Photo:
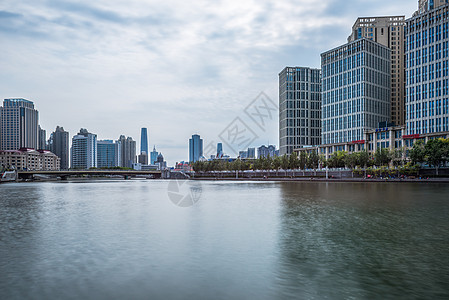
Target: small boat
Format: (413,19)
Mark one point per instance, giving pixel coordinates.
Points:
(8,176)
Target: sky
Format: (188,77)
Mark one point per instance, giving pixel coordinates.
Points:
(175,67)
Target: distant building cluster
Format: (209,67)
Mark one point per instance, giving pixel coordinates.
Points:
(24,145)
(387,87)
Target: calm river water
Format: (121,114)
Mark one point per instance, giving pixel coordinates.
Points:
(241,240)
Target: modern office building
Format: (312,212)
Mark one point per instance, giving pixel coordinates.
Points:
(195,148)
(42,138)
(18,125)
(243,154)
(84,150)
(219,150)
(153,156)
(355,90)
(265,151)
(299,108)
(144,141)
(59,145)
(108,154)
(128,151)
(427,69)
(388,31)
(251,153)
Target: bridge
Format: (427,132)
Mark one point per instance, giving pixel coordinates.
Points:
(126,174)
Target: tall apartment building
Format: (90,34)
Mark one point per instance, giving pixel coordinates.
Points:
(195,148)
(42,138)
(388,31)
(59,145)
(299,108)
(108,154)
(84,150)
(427,66)
(355,90)
(18,125)
(128,151)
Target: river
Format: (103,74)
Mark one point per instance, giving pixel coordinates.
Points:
(144,239)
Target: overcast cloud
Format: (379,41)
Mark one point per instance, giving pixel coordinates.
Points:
(176,67)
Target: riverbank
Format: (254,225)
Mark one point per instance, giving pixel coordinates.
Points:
(312,179)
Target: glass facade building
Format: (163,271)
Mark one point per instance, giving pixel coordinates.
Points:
(299,108)
(427,69)
(108,154)
(356,90)
(144,141)
(195,148)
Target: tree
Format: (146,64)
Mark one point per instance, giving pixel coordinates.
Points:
(285,162)
(382,157)
(293,161)
(337,159)
(302,161)
(276,164)
(417,153)
(364,159)
(351,160)
(436,152)
(313,160)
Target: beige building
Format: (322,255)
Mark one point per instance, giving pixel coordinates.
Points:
(29,159)
(388,31)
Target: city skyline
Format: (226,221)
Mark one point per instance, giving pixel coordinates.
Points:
(75,85)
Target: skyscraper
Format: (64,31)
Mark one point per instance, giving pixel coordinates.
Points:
(128,151)
(219,150)
(18,124)
(108,154)
(299,108)
(84,150)
(251,152)
(42,138)
(195,148)
(388,31)
(427,64)
(144,141)
(355,90)
(59,145)
(153,156)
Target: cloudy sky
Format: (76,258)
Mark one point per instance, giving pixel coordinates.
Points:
(176,67)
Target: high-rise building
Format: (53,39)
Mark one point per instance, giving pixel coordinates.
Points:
(299,108)
(18,125)
(128,151)
(427,64)
(144,141)
(426,5)
(388,31)
(195,148)
(42,138)
(108,154)
(355,90)
(59,145)
(84,150)
(153,156)
(265,151)
(251,153)
(143,158)
(219,150)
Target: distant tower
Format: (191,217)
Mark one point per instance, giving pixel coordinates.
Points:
(84,150)
(42,138)
(18,125)
(59,145)
(219,150)
(153,156)
(144,141)
(195,148)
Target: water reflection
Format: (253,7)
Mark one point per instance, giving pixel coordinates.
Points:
(363,241)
